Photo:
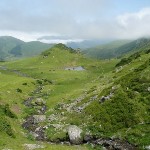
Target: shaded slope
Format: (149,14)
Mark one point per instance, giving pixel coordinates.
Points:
(29,49)
(118,48)
(6,44)
(11,48)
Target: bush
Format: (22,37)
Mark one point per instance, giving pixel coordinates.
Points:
(56,136)
(4,123)
(5,111)
(125,61)
(19,90)
(24,83)
(8,112)
(5,126)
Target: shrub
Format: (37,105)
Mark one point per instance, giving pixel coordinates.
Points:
(24,83)
(4,123)
(125,61)
(19,90)
(8,112)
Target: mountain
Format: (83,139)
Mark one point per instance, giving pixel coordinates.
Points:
(29,49)
(61,93)
(71,42)
(84,44)
(11,48)
(118,48)
(6,44)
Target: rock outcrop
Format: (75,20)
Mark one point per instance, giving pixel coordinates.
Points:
(74,134)
(115,144)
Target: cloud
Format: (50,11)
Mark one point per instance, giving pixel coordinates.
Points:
(76,19)
(134,25)
(63,17)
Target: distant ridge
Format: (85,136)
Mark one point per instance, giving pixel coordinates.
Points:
(11,48)
(118,48)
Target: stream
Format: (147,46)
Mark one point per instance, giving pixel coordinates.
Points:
(31,123)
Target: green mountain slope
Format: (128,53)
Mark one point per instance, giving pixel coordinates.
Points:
(11,48)
(110,104)
(118,48)
(6,44)
(29,49)
(106,50)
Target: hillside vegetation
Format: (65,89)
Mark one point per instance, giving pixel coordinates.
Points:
(12,48)
(107,99)
(118,48)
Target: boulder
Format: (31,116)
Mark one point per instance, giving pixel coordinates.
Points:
(147,147)
(115,144)
(74,134)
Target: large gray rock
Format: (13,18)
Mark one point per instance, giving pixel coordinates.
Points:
(147,147)
(74,133)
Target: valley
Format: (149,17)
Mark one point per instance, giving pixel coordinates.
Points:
(43,97)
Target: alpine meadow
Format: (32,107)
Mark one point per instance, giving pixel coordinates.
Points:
(74,75)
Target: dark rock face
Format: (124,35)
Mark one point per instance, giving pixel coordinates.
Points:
(29,124)
(88,138)
(115,144)
(40,132)
(28,101)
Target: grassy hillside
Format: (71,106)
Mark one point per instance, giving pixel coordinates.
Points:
(105,50)
(104,99)
(118,48)
(29,49)
(6,44)
(57,82)
(11,48)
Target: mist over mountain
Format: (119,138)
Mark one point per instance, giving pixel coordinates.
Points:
(118,48)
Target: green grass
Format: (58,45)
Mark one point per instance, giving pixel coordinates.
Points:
(125,110)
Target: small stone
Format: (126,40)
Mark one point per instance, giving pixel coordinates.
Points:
(39,118)
(32,146)
(39,101)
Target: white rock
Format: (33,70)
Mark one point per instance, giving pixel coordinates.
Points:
(32,146)
(39,118)
(74,133)
(147,147)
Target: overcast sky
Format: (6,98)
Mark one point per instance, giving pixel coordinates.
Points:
(75,19)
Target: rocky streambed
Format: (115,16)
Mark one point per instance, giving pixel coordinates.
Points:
(36,125)
(33,124)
